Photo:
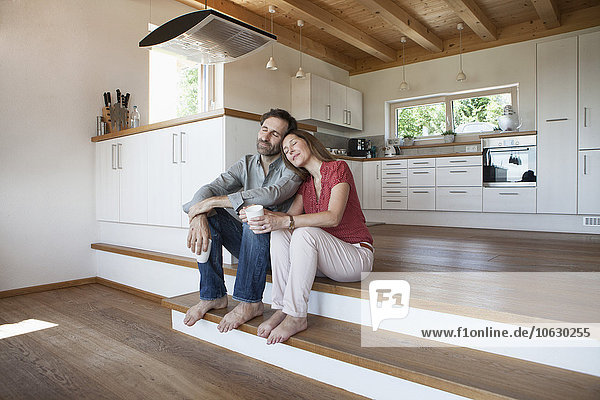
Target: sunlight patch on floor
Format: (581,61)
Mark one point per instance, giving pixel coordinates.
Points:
(23,327)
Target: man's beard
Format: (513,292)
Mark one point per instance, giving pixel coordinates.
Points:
(267,149)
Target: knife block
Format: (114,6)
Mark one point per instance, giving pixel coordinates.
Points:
(106,119)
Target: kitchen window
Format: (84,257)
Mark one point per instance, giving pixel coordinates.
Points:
(179,88)
(471,112)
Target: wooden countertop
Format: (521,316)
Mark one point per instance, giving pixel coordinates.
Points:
(405,157)
(189,119)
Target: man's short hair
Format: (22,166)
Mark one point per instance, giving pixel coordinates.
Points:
(281,114)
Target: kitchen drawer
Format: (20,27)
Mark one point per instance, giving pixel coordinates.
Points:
(394,173)
(394,203)
(421,199)
(394,192)
(394,183)
(457,161)
(458,199)
(511,200)
(421,177)
(458,176)
(394,164)
(421,162)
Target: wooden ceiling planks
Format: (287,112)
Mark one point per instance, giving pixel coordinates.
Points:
(356,36)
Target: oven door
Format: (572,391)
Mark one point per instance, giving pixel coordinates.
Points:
(509,166)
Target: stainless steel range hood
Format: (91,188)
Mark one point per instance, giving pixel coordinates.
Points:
(207,37)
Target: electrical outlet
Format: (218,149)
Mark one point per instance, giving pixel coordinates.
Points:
(472,148)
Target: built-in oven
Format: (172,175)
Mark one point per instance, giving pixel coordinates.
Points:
(509,161)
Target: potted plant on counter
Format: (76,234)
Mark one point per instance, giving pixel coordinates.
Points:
(409,139)
(449,136)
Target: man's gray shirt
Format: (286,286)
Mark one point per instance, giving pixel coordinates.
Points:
(245,183)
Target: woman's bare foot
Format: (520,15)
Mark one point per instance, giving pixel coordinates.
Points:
(243,312)
(289,327)
(195,313)
(266,327)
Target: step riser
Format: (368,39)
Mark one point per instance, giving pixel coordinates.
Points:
(327,370)
(172,280)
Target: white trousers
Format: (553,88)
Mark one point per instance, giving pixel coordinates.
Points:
(296,258)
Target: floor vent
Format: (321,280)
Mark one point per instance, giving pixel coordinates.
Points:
(591,221)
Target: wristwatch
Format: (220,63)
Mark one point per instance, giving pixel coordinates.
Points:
(292,224)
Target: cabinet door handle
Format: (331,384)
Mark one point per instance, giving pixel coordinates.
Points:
(393,173)
(181,149)
(585,110)
(328,112)
(556,119)
(174,148)
(508,194)
(420,191)
(393,201)
(349,117)
(389,164)
(585,164)
(394,182)
(458,172)
(393,191)
(119,146)
(420,172)
(377,172)
(113,156)
(457,161)
(421,162)
(458,191)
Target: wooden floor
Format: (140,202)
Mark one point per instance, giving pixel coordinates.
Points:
(112,345)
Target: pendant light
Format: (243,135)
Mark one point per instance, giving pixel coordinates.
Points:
(300,73)
(403,84)
(271,66)
(461,75)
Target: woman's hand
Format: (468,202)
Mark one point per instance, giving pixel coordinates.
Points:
(268,222)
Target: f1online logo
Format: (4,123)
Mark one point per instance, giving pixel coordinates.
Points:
(388,300)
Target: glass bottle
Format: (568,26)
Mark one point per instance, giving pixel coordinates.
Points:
(134,118)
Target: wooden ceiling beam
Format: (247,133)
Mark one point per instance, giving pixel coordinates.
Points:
(472,15)
(315,15)
(285,36)
(548,12)
(399,19)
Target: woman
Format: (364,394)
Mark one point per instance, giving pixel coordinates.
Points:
(323,234)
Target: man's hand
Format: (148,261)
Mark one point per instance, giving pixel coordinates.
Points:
(198,234)
(201,207)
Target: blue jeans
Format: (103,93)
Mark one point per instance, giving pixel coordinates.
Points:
(252,252)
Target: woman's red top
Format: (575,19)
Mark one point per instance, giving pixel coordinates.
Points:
(352,228)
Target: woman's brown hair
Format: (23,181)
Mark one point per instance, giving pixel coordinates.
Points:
(314,145)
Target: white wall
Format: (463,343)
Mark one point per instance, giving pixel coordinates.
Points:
(249,86)
(504,65)
(57,59)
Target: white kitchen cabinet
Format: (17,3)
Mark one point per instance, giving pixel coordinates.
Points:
(458,161)
(421,198)
(557,126)
(107,181)
(357,173)
(420,177)
(164,177)
(371,185)
(316,99)
(202,162)
(509,200)
(132,162)
(589,91)
(458,176)
(394,191)
(421,162)
(458,198)
(394,203)
(354,108)
(337,103)
(589,182)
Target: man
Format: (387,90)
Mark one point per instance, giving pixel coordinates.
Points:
(263,179)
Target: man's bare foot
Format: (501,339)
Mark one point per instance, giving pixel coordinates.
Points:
(243,312)
(196,312)
(266,327)
(289,327)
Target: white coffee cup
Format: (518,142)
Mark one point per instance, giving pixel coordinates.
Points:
(254,211)
(203,257)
